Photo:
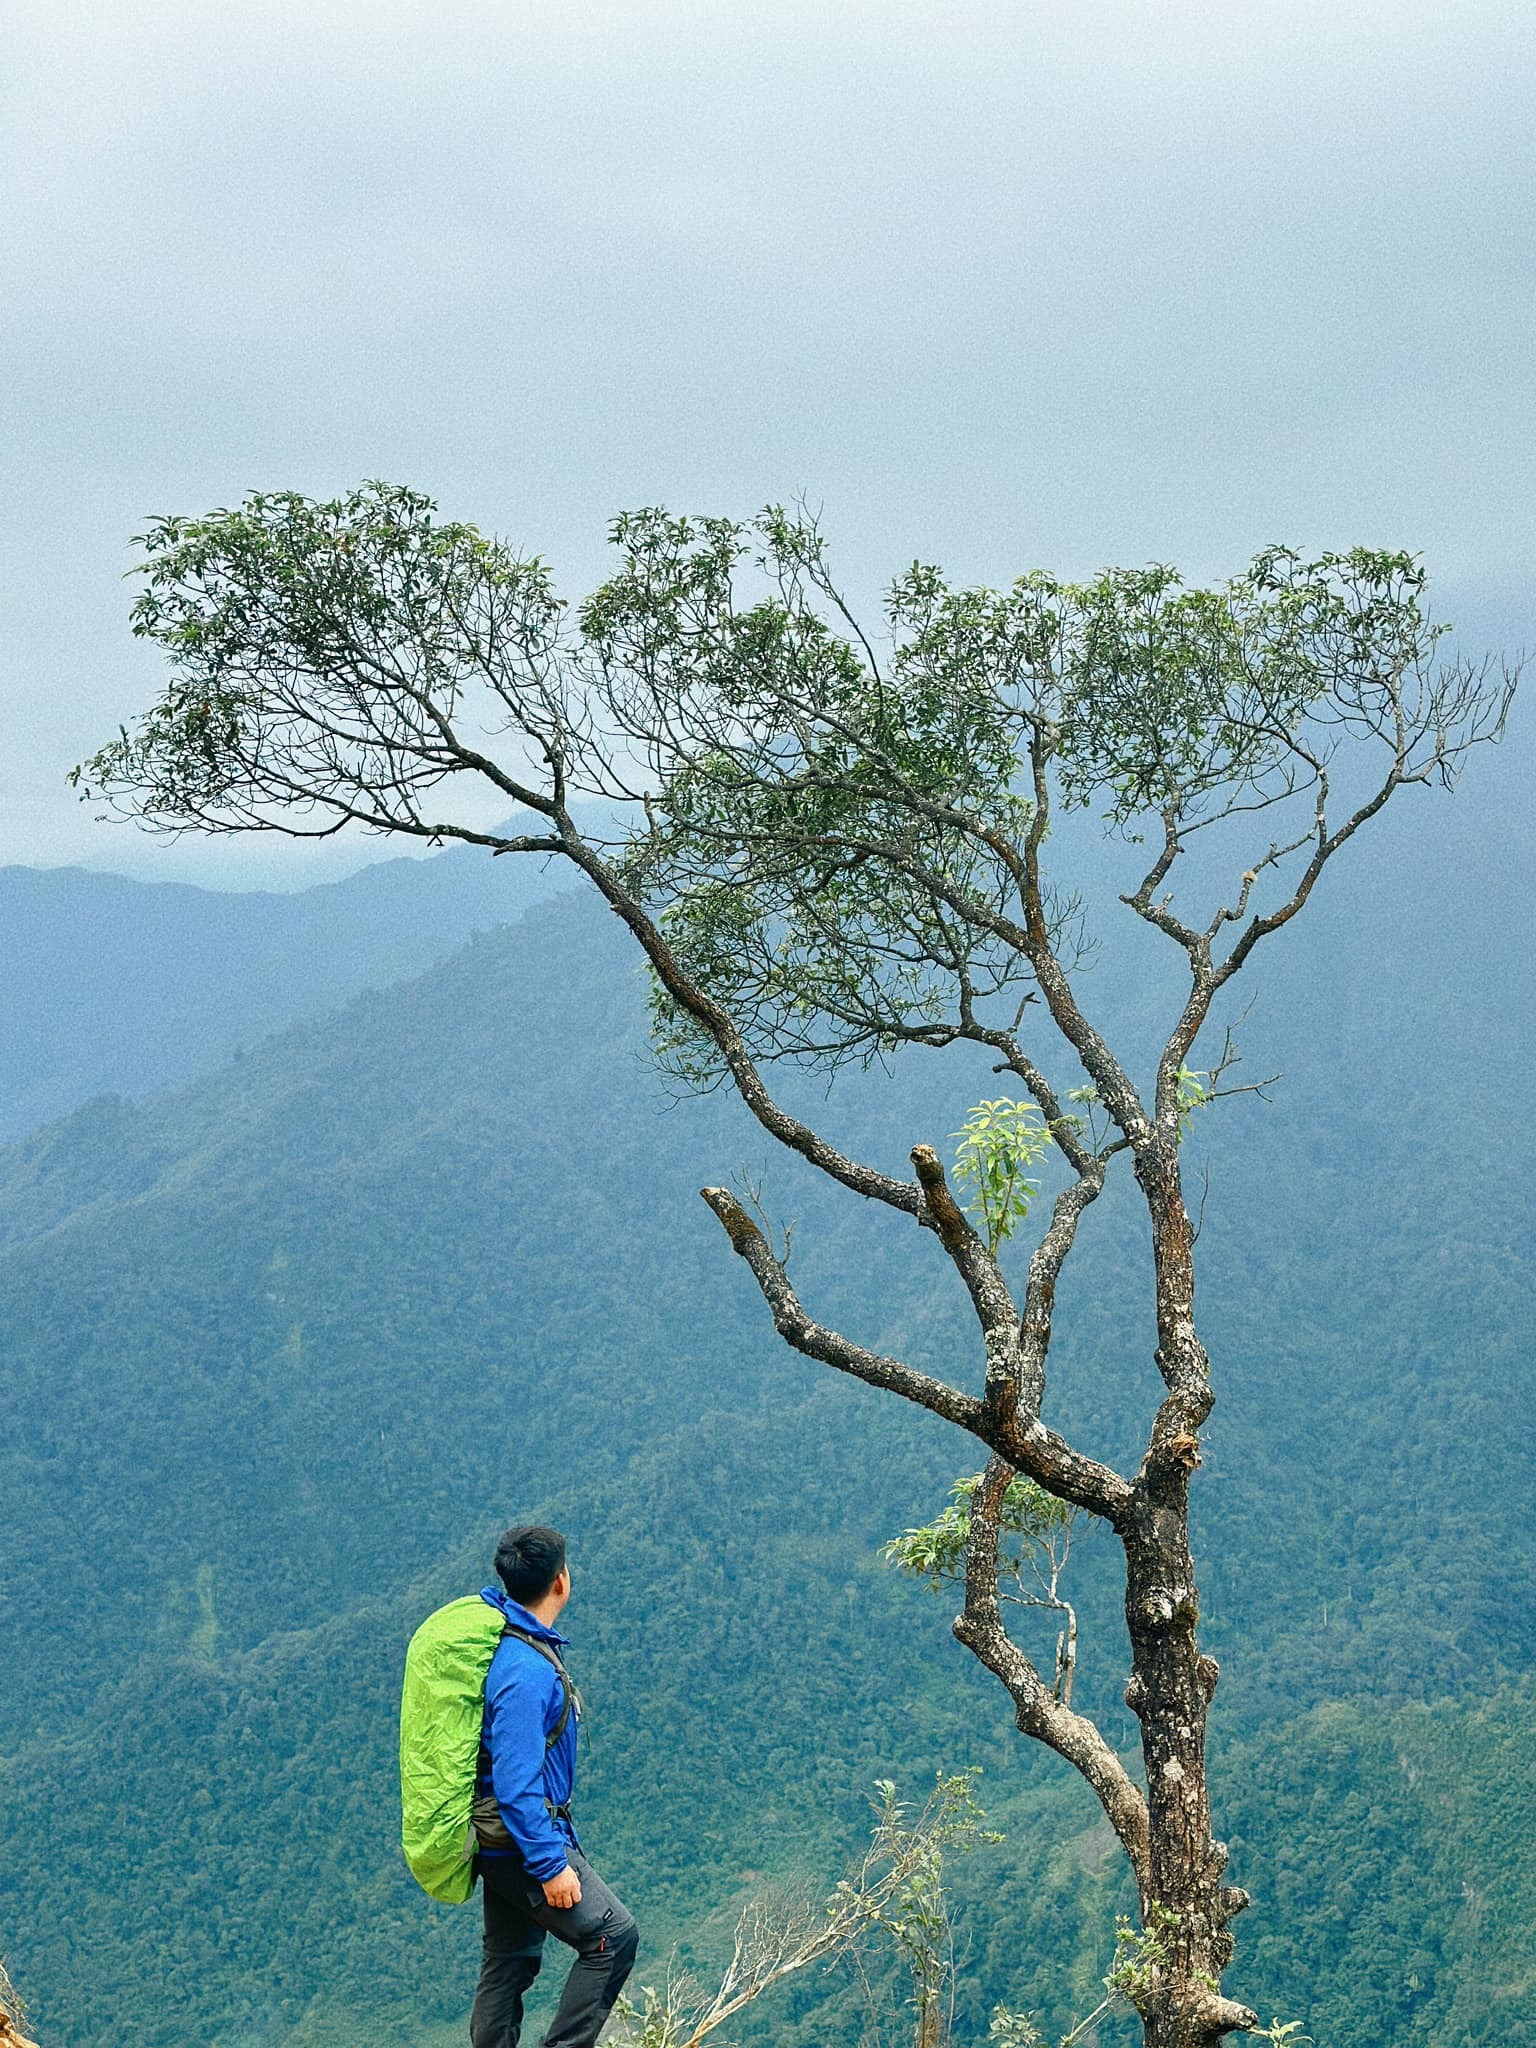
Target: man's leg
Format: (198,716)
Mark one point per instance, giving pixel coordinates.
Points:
(514,1947)
(603,1934)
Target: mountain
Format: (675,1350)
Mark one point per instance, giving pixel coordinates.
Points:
(120,987)
(286,1346)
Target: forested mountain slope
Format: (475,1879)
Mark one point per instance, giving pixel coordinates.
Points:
(114,986)
(284,1349)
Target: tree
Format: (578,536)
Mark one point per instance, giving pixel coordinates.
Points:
(897,1891)
(827,851)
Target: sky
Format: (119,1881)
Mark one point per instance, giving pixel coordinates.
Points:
(997,286)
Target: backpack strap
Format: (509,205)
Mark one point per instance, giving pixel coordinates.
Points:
(547,1650)
(490,1829)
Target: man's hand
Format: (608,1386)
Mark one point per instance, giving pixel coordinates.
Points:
(563,1889)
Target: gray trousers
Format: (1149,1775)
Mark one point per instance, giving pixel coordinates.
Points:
(600,1930)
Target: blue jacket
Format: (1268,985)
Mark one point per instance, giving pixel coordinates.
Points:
(523,1698)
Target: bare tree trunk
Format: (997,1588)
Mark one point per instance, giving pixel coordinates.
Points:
(1171,1682)
(1170,1689)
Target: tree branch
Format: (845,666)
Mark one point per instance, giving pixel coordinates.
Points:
(722,1028)
(1039,1713)
(1026,1442)
(1040,1288)
(983,1280)
(1104,1070)
(798,1329)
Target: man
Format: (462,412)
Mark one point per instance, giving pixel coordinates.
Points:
(532,1872)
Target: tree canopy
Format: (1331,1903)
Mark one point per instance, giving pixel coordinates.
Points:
(842,845)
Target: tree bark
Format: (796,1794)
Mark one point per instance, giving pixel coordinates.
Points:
(1169,1692)
(1171,1682)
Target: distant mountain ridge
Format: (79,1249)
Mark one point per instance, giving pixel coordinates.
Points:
(118,987)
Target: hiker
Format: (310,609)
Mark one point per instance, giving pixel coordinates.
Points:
(533,1875)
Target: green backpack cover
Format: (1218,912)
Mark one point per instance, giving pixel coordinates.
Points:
(441,1707)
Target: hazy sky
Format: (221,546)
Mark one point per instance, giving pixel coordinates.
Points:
(997,285)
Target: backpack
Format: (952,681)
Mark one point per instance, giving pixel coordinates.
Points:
(442,1705)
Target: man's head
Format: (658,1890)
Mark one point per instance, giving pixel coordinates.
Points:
(530,1563)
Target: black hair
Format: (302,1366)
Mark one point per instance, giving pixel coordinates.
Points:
(528,1561)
